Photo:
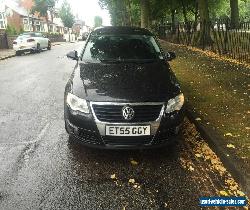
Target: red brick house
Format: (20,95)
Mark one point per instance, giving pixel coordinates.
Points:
(15,13)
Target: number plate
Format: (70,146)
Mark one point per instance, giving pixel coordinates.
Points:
(137,130)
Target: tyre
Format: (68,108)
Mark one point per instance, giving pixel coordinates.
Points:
(18,53)
(38,48)
(49,46)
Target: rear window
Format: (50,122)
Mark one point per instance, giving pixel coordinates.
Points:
(26,35)
(121,47)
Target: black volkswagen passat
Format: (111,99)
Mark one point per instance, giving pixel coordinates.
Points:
(122,92)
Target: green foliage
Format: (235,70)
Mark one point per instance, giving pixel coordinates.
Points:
(42,6)
(10,30)
(21,31)
(128,12)
(97,21)
(244,7)
(125,12)
(66,14)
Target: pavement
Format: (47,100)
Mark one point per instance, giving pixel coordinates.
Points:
(8,53)
(41,169)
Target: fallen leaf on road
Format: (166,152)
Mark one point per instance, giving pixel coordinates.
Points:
(133,162)
(223,193)
(240,193)
(228,134)
(233,187)
(113,176)
(131,181)
(198,155)
(230,146)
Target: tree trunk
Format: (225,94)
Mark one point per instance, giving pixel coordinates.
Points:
(144,13)
(196,11)
(184,11)
(129,12)
(173,20)
(234,14)
(205,37)
(125,14)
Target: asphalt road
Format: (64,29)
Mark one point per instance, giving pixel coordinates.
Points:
(40,169)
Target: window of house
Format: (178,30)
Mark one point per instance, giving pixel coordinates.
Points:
(26,26)
(51,28)
(42,27)
(38,26)
(2,21)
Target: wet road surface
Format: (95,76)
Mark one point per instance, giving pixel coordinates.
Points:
(41,169)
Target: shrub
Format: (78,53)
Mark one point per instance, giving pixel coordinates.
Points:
(10,30)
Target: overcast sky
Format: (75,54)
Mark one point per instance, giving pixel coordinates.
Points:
(87,10)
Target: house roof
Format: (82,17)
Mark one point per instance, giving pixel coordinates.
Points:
(14,5)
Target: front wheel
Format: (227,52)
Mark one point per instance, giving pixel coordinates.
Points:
(18,53)
(49,46)
(38,48)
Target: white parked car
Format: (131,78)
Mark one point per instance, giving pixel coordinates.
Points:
(31,42)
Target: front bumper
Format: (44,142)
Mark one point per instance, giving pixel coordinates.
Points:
(86,129)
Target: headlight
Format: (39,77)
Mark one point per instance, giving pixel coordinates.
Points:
(175,104)
(77,104)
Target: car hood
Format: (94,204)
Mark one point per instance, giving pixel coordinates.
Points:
(133,82)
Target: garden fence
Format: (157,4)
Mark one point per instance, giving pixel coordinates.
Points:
(216,36)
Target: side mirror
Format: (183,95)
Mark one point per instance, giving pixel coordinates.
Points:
(170,56)
(73,55)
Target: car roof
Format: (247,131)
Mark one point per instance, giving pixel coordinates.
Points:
(115,30)
(30,33)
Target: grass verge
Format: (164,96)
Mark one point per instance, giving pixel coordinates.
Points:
(218,90)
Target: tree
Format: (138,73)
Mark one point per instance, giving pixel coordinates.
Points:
(66,14)
(205,37)
(97,21)
(122,12)
(234,13)
(42,7)
(145,11)
(244,8)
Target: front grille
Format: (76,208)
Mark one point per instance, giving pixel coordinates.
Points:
(113,113)
(127,141)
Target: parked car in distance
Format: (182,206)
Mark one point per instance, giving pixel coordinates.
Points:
(122,93)
(31,42)
(83,36)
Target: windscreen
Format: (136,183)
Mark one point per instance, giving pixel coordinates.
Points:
(121,47)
